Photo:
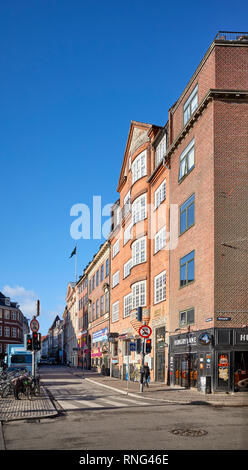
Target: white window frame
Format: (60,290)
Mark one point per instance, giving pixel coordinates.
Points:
(127,202)
(160,194)
(7,314)
(139,251)
(13,315)
(7,331)
(127,268)
(116,278)
(127,234)
(185,156)
(127,305)
(160,287)
(14,332)
(190,105)
(160,151)
(139,209)
(115,311)
(160,240)
(139,294)
(139,167)
(116,248)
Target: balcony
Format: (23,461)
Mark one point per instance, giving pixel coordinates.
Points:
(231,36)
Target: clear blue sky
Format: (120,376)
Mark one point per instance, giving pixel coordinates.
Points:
(73,75)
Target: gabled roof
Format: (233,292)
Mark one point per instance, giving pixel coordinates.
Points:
(137,136)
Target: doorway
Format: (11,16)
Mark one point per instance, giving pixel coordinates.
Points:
(186,370)
(241,370)
(160,355)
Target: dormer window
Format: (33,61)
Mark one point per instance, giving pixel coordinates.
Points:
(190,105)
(7,301)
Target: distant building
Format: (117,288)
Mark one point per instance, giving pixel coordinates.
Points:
(13,324)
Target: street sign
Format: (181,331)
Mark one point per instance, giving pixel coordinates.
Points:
(145,331)
(132,346)
(34,325)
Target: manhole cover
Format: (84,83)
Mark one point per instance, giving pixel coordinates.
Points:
(189,432)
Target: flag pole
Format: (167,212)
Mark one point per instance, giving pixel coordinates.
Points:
(76,265)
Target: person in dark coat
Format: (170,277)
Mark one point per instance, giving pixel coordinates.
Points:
(145,374)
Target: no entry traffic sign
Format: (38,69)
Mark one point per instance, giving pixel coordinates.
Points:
(34,325)
(145,331)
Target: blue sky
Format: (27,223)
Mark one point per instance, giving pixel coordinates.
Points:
(73,76)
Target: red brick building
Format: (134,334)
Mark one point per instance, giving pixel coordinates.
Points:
(83,340)
(13,324)
(188,269)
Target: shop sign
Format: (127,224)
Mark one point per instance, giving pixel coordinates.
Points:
(96,352)
(185,341)
(132,346)
(223,365)
(241,337)
(204,339)
(208,319)
(223,318)
(101,335)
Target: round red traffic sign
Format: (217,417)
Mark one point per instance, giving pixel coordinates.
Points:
(145,331)
(34,325)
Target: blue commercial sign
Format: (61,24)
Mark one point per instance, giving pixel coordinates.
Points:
(99,336)
(132,346)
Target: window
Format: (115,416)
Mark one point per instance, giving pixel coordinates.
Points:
(102,272)
(89,310)
(160,151)
(187,160)
(127,268)
(90,286)
(14,332)
(93,283)
(139,167)
(107,268)
(139,294)
(187,269)
(160,195)
(97,278)
(129,163)
(106,302)
(102,297)
(190,105)
(116,248)
(1,331)
(6,331)
(97,308)
(187,317)
(139,251)
(115,311)
(160,287)
(13,314)
(160,240)
(116,278)
(127,305)
(127,234)
(93,312)
(187,214)
(139,209)
(7,314)
(127,203)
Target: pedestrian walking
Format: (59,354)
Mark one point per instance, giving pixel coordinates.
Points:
(145,374)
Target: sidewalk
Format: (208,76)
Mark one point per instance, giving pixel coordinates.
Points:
(36,408)
(158,391)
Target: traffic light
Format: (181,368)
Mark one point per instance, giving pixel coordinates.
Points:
(138,348)
(28,342)
(148,346)
(139,314)
(36,341)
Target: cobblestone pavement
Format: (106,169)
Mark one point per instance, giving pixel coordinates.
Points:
(37,407)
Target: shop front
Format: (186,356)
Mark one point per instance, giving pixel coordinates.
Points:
(83,353)
(100,350)
(191,359)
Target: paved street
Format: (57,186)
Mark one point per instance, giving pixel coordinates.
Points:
(97,418)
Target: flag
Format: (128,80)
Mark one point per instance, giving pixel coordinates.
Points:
(73,252)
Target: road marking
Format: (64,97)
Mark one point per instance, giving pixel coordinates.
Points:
(135,401)
(66,405)
(114,403)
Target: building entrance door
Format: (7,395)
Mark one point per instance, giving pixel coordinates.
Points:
(185,373)
(241,370)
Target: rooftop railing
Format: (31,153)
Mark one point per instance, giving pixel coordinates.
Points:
(231,36)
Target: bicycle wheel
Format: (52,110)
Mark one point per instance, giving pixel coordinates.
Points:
(6,390)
